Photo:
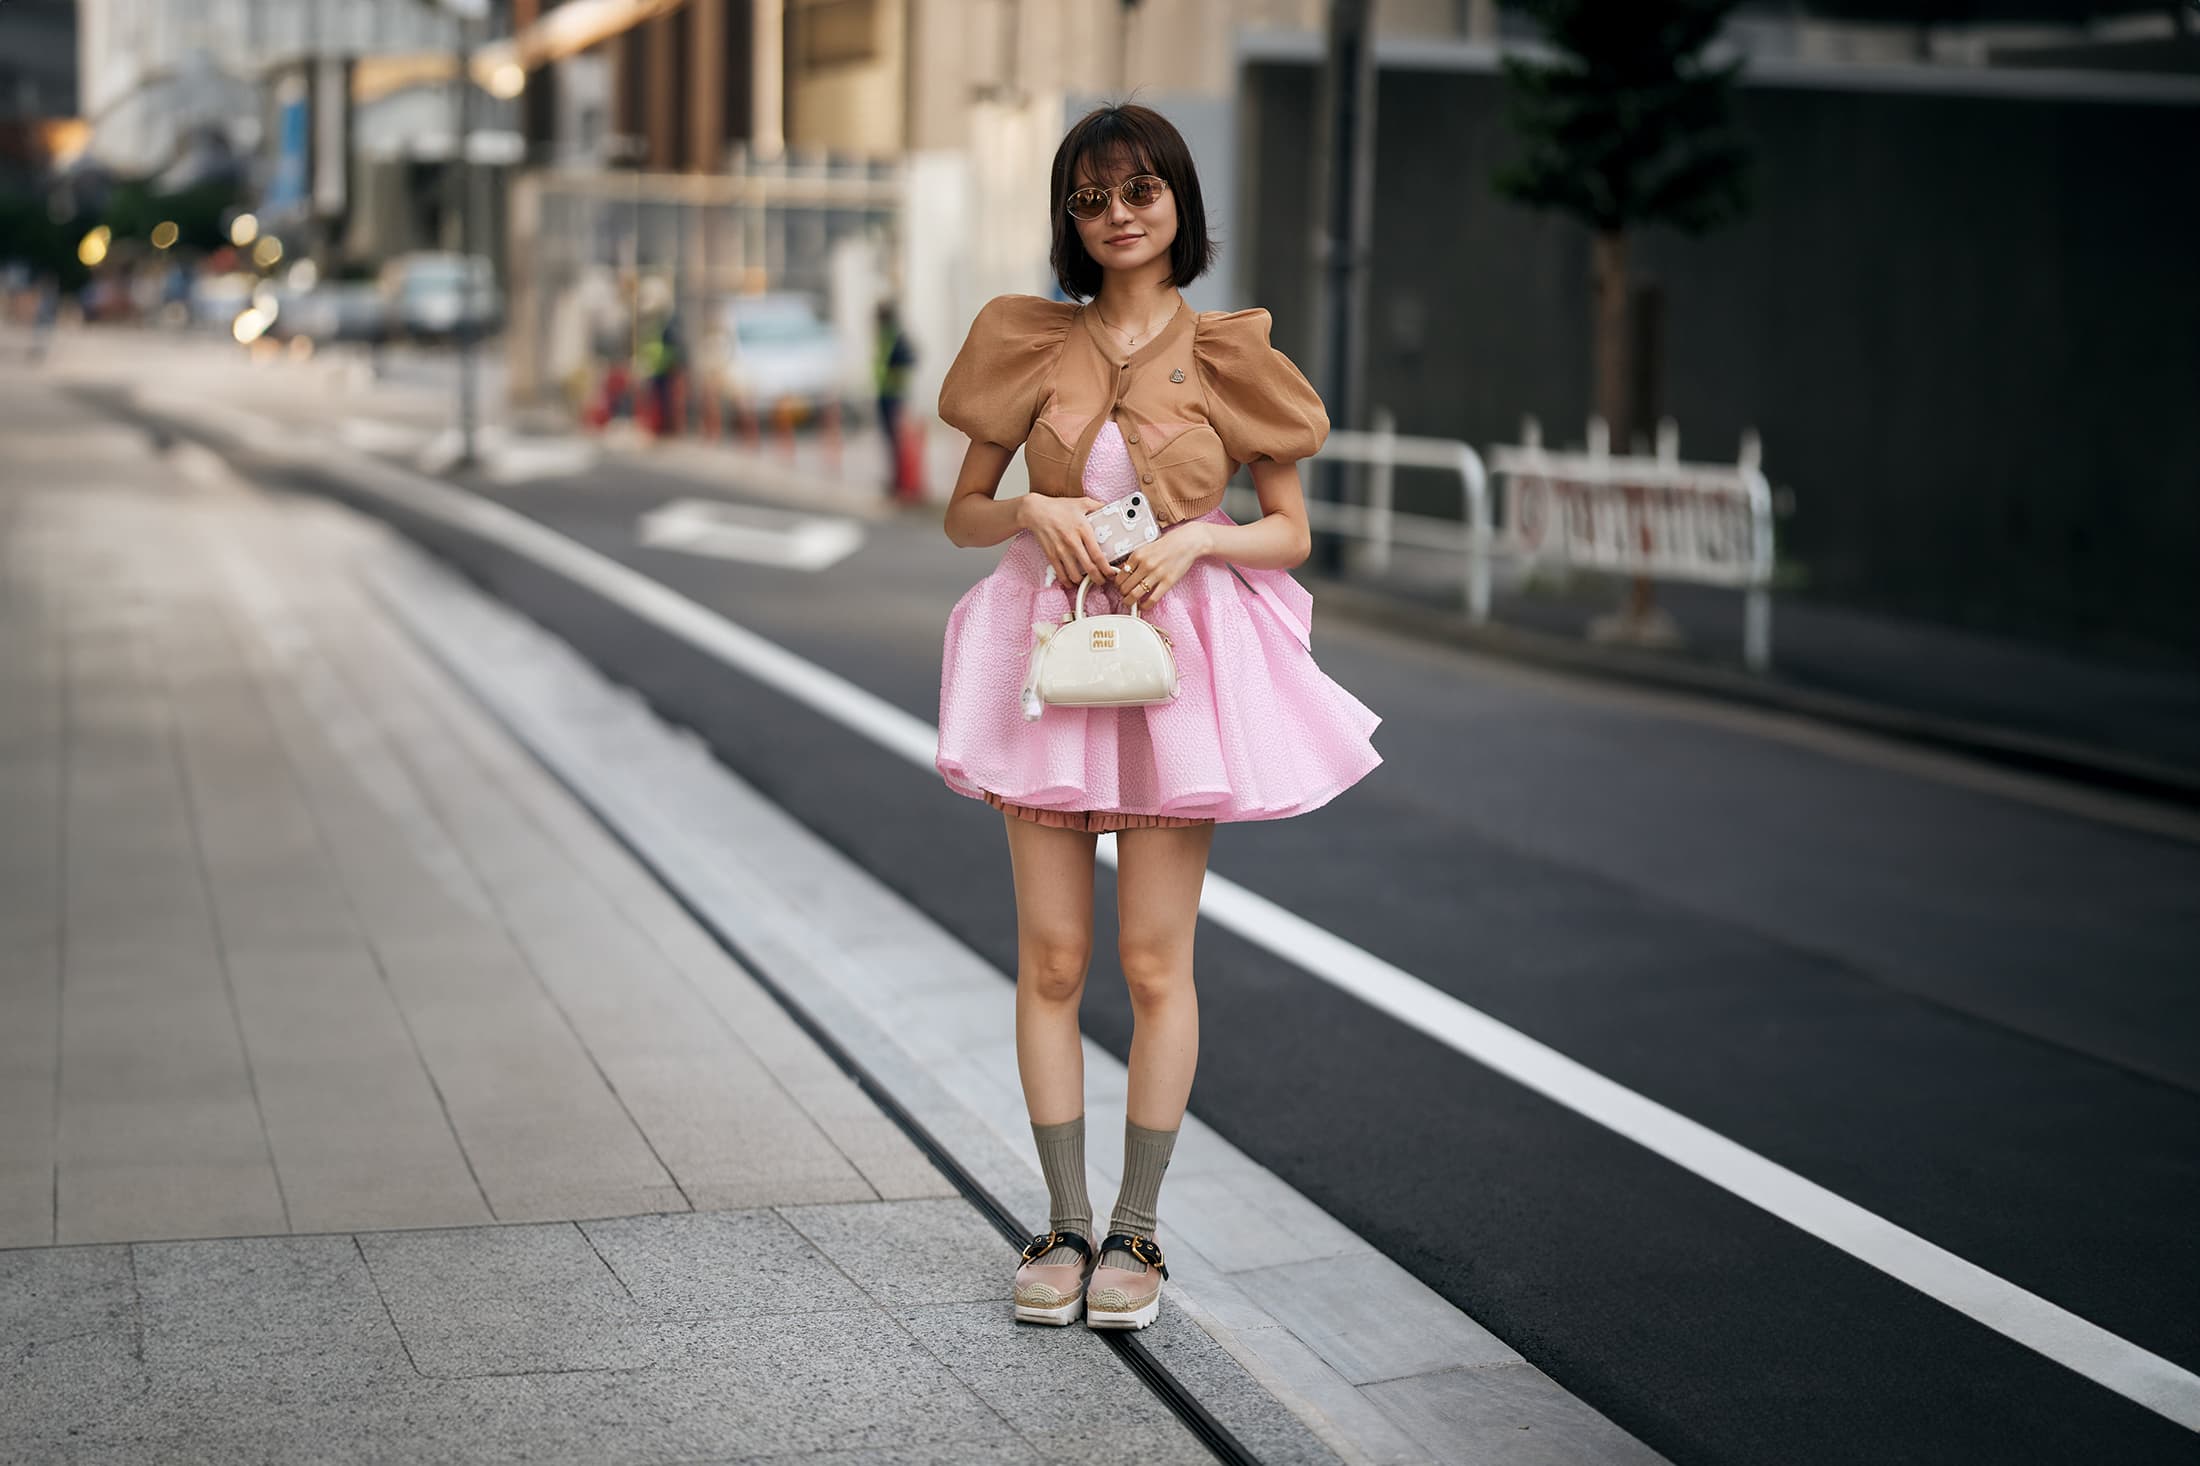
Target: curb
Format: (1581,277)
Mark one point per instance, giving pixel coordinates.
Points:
(2078,763)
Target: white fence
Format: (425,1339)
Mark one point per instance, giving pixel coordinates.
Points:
(1657,517)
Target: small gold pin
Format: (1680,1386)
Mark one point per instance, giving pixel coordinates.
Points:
(1177,375)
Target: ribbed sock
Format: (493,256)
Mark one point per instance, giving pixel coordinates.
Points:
(1137,1202)
(1062,1159)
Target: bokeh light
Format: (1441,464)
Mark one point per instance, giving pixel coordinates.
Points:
(165,234)
(251,325)
(92,249)
(244,229)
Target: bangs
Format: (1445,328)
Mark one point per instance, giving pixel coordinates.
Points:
(1107,145)
(1102,160)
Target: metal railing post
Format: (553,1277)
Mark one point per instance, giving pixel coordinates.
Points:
(1757,604)
(1379,490)
(1476,479)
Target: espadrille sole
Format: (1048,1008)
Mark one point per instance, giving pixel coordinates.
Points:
(1123,1318)
(1058,1315)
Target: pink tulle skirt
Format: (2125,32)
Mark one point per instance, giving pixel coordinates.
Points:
(1256,731)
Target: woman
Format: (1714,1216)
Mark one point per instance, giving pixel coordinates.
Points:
(1130,392)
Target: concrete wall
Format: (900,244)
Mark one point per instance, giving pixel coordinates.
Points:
(1966,323)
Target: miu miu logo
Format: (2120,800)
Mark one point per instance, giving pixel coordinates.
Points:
(1103,639)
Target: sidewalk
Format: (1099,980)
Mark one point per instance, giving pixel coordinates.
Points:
(366,1101)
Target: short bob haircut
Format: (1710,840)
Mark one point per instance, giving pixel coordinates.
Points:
(1137,140)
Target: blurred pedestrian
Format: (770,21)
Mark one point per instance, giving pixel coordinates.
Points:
(660,363)
(45,311)
(891,359)
(1133,403)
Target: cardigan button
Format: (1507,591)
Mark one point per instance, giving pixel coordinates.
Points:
(1132,439)
(1145,478)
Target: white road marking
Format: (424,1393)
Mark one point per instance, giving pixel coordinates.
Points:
(2113,1362)
(524,460)
(507,458)
(741,532)
(373,435)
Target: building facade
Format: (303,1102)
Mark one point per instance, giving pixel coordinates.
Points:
(37,88)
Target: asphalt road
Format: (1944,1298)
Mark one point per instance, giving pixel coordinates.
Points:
(1970,1013)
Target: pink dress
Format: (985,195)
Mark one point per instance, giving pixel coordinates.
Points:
(1256,731)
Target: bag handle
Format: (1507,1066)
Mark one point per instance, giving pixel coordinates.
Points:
(1083,585)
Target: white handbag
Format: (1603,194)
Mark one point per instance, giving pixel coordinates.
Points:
(1117,661)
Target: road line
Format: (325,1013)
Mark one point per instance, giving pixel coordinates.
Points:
(2113,1362)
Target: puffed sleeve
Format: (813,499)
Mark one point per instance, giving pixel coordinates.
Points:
(1260,404)
(991,393)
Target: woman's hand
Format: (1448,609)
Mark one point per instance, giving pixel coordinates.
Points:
(1057,522)
(1146,575)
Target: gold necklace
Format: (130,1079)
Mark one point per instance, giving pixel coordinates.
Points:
(1132,341)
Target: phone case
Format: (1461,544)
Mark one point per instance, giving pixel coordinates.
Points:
(1120,527)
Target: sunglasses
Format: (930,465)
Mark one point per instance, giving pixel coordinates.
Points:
(1140,192)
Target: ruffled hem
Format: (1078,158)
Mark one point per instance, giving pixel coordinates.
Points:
(1091,821)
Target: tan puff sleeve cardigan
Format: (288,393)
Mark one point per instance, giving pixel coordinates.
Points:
(991,393)
(1209,376)
(1259,402)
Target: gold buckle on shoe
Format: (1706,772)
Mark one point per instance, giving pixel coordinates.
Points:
(1041,1246)
(1145,1249)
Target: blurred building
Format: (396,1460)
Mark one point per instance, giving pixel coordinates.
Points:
(37,89)
(850,149)
(673,84)
(339,114)
(2091,35)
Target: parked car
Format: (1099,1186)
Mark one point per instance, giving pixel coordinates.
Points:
(332,310)
(217,300)
(777,350)
(430,294)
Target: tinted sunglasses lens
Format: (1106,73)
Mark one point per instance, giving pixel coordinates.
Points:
(1140,192)
(1088,203)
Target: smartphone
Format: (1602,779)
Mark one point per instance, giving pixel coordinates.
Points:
(1120,527)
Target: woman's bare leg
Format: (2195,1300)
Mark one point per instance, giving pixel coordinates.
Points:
(1159,872)
(1053,870)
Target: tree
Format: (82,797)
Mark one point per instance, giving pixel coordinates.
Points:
(1627,125)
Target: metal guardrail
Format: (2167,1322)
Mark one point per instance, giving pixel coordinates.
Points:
(1376,521)
(1656,517)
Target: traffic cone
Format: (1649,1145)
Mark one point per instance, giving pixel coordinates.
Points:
(909,463)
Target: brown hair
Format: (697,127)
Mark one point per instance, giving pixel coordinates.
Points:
(1147,140)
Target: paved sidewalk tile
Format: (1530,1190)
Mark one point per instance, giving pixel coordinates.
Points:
(366,1101)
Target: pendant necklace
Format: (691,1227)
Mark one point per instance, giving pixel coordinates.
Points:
(1118,330)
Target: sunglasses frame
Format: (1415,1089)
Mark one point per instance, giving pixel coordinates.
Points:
(1109,196)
